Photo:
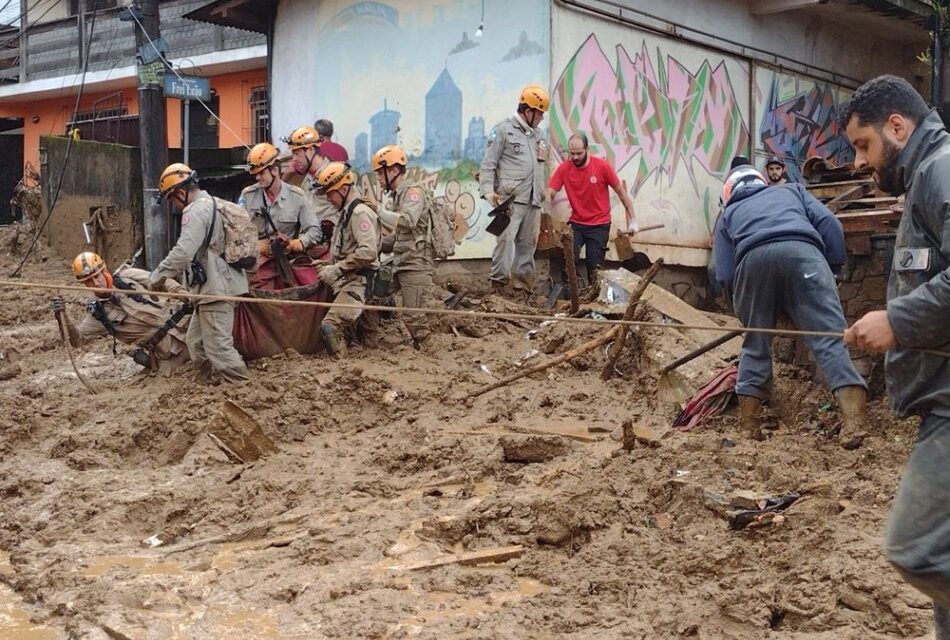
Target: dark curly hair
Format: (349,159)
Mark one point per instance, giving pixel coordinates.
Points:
(875,100)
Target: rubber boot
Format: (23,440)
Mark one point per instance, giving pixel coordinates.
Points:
(750,417)
(333,341)
(853,402)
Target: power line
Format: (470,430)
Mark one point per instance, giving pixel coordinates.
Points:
(69,146)
(173,70)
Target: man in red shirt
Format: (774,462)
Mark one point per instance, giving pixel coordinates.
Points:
(586,178)
(328,149)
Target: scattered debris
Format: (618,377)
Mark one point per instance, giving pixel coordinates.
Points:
(238,435)
(485,556)
(533,448)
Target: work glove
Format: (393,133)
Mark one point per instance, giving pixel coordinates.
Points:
(263,246)
(494,199)
(330,274)
(57,304)
(633,227)
(295,245)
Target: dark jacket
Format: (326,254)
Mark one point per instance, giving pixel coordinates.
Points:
(918,292)
(774,214)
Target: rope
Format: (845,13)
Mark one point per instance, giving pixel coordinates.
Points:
(534,317)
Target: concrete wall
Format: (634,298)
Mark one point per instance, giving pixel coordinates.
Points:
(98,176)
(410,72)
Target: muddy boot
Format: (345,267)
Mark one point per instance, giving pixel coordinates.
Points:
(853,402)
(333,341)
(750,417)
(498,288)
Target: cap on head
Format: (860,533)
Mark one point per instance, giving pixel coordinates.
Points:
(261,156)
(535,97)
(774,160)
(87,265)
(303,138)
(389,156)
(334,176)
(740,176)
(175,176)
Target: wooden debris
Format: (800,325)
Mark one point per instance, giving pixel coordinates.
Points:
(567,245)
(533,448)
(628,314)
(484,556)
(238,435)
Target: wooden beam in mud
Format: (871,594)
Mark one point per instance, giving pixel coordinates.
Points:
(483,556)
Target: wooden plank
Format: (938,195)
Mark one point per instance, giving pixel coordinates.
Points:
(849,196)
(484,556)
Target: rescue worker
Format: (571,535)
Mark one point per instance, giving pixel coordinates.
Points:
(354,250)
(280,210)
(409,216)
(908,147)
(513,164)
(197,254)
(775,250)
(775,171)
(156,327)
(304,144)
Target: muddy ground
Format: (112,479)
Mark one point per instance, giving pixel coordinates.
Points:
(319,540)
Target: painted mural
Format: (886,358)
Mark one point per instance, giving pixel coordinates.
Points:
(424,75)
(798,119)
(668,116)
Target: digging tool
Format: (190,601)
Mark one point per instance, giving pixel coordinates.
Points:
(649,227)
(64,334)
(665,386)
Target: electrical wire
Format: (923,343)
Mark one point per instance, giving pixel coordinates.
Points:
(180,77)
(69,146)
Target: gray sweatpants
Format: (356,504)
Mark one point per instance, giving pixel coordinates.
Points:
(917,541)
(513,255)
(791,277)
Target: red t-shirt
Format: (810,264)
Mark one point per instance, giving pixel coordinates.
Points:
(587,189)
(333,151)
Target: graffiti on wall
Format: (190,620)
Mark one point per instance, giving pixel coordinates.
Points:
(800,122)
(660,116)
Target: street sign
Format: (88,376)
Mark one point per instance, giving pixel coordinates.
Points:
(187,88)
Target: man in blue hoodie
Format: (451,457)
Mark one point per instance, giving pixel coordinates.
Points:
(774,251)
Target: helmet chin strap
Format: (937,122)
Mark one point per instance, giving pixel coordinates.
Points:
(345,197)
(310,159)
(273,178)
(386,179)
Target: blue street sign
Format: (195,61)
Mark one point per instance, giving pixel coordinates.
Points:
(187,88)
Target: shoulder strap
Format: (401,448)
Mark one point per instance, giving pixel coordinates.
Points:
(214,218)
(345,221)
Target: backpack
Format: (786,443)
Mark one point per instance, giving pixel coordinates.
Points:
(240,234)
(441,233)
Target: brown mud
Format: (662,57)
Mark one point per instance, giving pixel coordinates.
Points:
(381,467)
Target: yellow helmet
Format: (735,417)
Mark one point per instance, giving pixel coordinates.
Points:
(304,138)
(174,176)
(334,176)
(260,157)
(535,97)
(389,156)
(87,264)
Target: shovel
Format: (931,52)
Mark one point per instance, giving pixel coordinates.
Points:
(500,217)
(667,389)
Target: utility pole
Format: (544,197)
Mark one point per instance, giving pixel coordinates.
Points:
(153,144)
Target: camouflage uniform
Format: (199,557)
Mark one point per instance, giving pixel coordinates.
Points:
(209,334)
(511,165)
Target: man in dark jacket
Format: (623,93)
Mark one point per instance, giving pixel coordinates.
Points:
(774,250)
(906,145)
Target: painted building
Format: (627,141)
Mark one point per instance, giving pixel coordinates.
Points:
(667,91)
(39,96)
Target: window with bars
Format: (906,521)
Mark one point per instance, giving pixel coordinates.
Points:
(260,114)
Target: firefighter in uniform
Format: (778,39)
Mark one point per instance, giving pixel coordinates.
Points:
(198,255)
(513,164)
(354,249)
(304,144)
(409,216)
(156,327)
(280,210)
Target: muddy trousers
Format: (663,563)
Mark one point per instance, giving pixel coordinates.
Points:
(210,340)
(415,286)
(917,541)
(791,277)
(512,259)
(353,292)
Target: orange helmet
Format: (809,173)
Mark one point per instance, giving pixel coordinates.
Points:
(334,176)
(743,174)
(304,138)
(260,157)
(535,97)
(389,156)
(175,176)
(87,264)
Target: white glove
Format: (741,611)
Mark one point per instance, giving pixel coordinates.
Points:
(330,274)
(632,226)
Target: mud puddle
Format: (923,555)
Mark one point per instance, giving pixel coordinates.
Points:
(14,621)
